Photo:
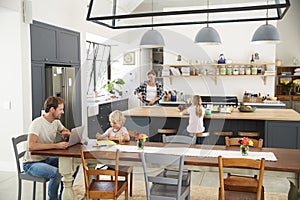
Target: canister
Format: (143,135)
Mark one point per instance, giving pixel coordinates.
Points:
(254,70)
(223,70)
(229,70)
(235,71)
(242,70)
(248,71)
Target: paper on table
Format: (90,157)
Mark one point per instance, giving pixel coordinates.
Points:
(105,143)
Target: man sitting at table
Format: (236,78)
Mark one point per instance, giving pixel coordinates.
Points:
(42,133)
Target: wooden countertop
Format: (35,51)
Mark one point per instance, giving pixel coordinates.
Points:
(258,114)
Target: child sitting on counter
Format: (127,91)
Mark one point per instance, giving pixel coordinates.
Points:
(117,130)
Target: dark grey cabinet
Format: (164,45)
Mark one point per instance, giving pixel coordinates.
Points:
(283,134)
(38,88)
(100,123)
(51,45)
(54,44)
(68,46)
(43,42)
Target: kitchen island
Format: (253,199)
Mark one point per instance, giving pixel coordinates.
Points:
(278,127)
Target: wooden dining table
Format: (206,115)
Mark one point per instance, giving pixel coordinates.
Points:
(288,160)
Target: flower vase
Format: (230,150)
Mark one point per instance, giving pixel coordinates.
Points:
(244,150)
(140,144)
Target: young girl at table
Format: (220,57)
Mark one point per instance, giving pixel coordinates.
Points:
(117,130)
(196,114)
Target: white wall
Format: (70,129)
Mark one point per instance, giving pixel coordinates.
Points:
(11,98)
(289,28)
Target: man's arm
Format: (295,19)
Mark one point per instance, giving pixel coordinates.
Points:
(34,145)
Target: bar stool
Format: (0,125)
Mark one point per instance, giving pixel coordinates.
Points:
(166,131)
(248,134)
(200,136)
(221,136)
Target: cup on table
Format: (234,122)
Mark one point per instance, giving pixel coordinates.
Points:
(208,112)
(121,139)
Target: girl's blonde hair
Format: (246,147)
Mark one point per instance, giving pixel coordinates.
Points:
(197,102)
(118,117)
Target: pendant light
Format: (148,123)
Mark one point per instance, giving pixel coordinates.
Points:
(152,38)
(208,35)
(266,33)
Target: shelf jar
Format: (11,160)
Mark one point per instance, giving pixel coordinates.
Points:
(223,70)
(229,70)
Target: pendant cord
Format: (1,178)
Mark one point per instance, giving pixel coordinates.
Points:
(152,14)
(207,16)
(267,12)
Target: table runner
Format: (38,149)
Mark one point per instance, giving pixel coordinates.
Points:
(269,156)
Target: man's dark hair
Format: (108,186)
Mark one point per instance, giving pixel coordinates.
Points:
(52,102)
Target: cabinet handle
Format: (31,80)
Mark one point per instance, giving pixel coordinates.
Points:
(70,61)
(46,59)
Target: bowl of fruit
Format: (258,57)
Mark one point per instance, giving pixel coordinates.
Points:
(248,108)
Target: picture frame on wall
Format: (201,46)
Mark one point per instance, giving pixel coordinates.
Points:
(129,58)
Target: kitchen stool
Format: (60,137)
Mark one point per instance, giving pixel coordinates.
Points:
(166,131)
(248,134)
(200,136)
(221,136)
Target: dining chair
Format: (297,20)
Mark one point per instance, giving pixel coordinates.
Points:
(241,186)
(101,187)
(164,187)
(18,143)
(235,142)
(182,139)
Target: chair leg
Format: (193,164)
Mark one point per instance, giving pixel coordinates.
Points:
(20,189)
(44,190)
(34,189)
(131,184)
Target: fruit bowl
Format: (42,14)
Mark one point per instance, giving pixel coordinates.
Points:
(247,109)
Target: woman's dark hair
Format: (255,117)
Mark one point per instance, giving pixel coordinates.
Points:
(52,102)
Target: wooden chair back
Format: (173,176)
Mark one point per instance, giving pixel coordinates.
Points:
(235,142)
(242,163)
(98,188)
(182,139)
(132,135)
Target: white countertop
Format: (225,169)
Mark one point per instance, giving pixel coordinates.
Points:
(93,104)
(279,104)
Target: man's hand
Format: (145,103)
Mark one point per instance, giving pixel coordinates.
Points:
(62,145)
(65,133)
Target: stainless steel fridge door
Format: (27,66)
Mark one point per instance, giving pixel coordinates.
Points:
(60,82)
(69,96)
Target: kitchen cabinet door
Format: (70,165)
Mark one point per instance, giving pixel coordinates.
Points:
(43,42)
(68,46)
(38,88)
(296,105)
(283,134)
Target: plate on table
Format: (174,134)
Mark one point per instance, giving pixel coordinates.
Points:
(247,109)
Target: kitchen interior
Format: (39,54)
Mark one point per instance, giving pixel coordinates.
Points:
(263,76)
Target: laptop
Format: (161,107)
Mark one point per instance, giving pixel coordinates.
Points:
(76,135)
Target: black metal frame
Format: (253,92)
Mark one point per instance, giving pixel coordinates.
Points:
(115,17)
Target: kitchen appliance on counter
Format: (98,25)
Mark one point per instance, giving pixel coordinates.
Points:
(220,101)
(60,82)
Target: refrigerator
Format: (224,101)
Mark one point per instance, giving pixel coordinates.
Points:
(60,82)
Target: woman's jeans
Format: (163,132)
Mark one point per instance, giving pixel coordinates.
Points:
(48,169)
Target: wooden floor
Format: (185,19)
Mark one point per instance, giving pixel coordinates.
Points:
(204,185)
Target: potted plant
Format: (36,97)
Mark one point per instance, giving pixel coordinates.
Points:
(110,86)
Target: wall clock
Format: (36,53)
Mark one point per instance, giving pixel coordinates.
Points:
(129,58)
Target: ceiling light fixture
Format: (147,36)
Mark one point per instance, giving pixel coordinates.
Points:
(208,35)
(266,34)
(152,38)
(124,14)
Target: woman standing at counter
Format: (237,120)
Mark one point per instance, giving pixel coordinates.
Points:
(196,112)
(151,91)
